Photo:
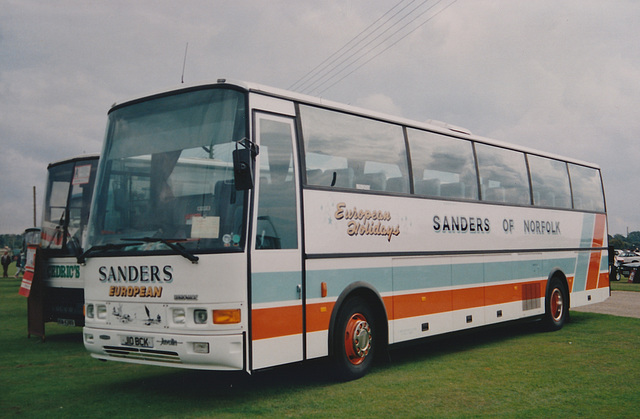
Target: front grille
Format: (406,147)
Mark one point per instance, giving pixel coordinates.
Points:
(143,354)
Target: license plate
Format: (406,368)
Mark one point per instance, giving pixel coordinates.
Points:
(66,322)
(136,341)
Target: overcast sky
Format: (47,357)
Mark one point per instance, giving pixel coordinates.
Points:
(559,76)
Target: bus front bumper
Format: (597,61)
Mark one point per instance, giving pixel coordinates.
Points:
(209,352)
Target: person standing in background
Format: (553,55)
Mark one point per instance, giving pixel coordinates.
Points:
(6,260)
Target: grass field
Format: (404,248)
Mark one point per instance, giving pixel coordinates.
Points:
(623,285)
(591,368)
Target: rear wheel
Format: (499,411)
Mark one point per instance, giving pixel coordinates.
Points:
(354,347)
(556,305)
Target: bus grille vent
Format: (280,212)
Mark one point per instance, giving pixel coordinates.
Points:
(530,296)
(143,354)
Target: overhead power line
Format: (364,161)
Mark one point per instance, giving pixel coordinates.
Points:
(367,47)
(388,47)
(346,48)
(323,76)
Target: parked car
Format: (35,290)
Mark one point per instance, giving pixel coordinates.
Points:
(627,257)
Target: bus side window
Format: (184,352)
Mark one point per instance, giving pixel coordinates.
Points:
(398,184)
(353,152)
(504,175)
(442,166)
(428,187)
(277,222)
(452,190)
(587,188)
(550,182)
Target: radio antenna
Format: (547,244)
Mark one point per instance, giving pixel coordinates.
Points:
(184,62)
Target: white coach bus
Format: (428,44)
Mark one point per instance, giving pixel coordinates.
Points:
(65,216)
(238,227)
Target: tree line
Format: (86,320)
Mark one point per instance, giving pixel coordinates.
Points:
(632,241)
(12,241)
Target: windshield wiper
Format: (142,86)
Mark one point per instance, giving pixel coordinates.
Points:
(177,247)
(109,246)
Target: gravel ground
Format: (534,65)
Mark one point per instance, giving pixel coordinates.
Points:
(621,303)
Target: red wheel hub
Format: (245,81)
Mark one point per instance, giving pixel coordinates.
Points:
(557,304)
(357,339)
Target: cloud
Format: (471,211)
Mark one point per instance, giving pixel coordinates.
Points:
(561,77)
(379,102)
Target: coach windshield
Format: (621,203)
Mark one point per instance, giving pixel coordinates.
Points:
(166,179)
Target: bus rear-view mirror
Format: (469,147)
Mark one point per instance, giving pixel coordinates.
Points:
(242,169)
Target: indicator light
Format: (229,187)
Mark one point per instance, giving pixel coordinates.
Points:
(230,316)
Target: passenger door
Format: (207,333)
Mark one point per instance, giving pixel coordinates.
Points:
(276,262)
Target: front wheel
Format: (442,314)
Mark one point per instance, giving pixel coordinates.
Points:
(354,347)
(556,306)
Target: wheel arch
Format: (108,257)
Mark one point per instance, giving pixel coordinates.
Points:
(372,297)
(557,273)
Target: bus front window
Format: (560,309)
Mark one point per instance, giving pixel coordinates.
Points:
(167,175)
(55,206)
(66,206)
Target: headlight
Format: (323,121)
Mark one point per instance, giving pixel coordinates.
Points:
(200,316)
(179,316)
(102,311)
(90,311)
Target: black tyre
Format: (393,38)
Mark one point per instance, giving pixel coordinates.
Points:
(556,305)
(354,346)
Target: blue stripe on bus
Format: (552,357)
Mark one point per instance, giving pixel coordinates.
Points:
(416,277)
(582,261)
(281,286)
(268,287)
(604,261)
(467,274)
(566,265)
(339,279)
(582,269)
(588,222)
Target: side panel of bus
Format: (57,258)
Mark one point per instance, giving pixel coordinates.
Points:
(456,265)
(63,278)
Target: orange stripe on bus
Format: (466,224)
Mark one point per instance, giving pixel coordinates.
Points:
(594,270)
(421,304)
(411,305)
(510,293)
(604,280)
(598,231)
(595,279)
(319,315)
(467,298)
(277,321)
(389,304)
